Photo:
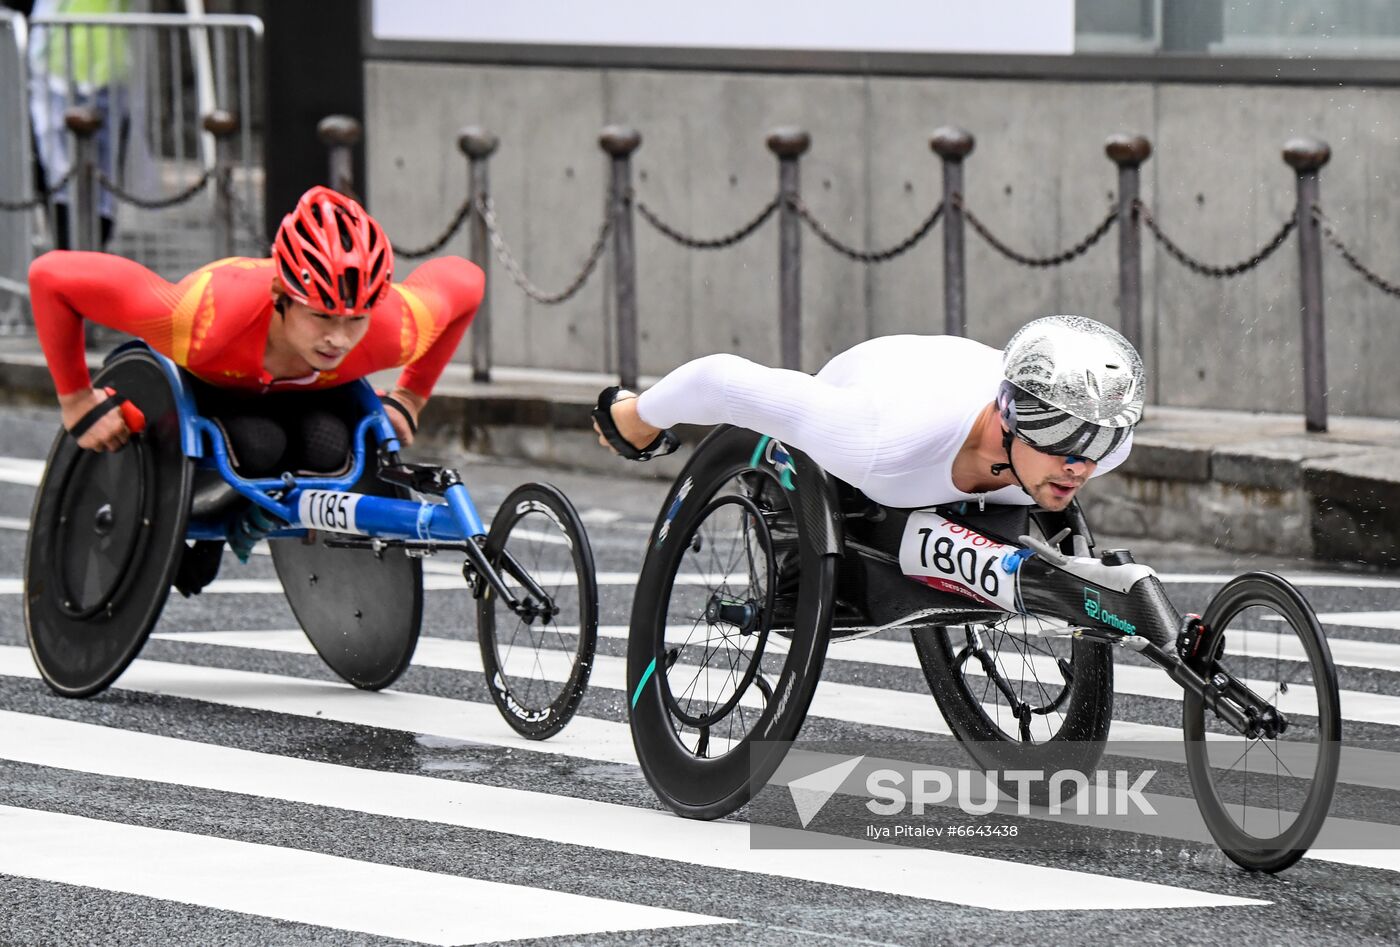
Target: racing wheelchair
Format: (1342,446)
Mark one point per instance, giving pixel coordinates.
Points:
(758,559)
(109,531)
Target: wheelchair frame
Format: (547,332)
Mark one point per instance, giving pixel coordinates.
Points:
(384,522)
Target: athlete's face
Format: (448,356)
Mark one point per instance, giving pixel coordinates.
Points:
(1051,480)
(322,340)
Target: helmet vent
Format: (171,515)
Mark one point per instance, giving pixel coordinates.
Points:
(320,269)
(350,285)
(347,243)
(289,276)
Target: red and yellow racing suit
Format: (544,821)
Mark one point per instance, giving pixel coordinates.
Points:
(214,322)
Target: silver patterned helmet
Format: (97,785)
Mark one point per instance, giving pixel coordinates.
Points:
(1072,387)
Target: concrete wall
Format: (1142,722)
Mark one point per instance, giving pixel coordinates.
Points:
(1038,177)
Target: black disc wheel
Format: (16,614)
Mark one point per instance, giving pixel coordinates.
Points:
(361,609)
(538,654)
(106,537)
(729,625)
(1265,793)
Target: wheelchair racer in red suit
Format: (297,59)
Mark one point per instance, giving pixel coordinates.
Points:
(320,312)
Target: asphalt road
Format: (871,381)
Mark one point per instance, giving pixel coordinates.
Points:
(229,789)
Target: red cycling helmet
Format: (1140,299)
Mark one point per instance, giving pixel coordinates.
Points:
(332,255)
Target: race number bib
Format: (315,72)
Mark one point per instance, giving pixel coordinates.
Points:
(328,510)
(953,558)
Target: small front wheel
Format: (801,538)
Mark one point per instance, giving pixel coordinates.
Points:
(537,653)
(1265,793)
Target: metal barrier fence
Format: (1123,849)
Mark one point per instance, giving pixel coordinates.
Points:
(149,111)
(16,229)
(952,145)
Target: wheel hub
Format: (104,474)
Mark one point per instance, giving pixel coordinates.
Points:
(742,615)
(102,521)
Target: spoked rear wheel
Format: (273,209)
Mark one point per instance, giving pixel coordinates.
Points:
(1265,794)
(1020,694)
(729,627)
(537,657)
(1020,691)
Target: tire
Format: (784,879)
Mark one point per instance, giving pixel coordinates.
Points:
(106,538)
(537,673)
(1288,664)
(1056,710)
(1070,715)
(759,580)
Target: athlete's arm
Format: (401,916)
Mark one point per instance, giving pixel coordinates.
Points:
(66,287)
(444,294)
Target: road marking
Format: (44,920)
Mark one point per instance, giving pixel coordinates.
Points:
(586,737)
(1300,579)
(290,884)
(1345,841)
(1387,620)
(909,872)
(22,471)
(1346,652)
(438,579)
(856,703)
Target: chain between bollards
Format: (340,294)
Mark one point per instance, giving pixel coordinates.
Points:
(868,256)
(707,243)
(1037,262)
(1331,235)
(40,194)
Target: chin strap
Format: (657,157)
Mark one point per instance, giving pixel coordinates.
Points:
(998,468)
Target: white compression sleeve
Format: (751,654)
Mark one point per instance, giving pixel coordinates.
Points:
(835,426)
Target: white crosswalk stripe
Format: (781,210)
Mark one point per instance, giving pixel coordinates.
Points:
(586,738)
(306,887)
(854,703)
(916,873)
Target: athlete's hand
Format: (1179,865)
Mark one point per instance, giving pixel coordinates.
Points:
(629,423)
(414,403)
(110,433)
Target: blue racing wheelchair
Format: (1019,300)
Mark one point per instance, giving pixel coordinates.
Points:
(110,531)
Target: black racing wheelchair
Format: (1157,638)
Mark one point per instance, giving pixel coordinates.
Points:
(110,530)
(759,559)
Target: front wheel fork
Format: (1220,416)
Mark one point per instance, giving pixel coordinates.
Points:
(1226,696)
